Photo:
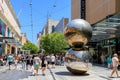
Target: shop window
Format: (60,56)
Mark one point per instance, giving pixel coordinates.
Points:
(2,28)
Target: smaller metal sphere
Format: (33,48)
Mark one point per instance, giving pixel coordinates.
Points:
(78,32)
(78,62)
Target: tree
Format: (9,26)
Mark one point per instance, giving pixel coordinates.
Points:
(53,43)
(30,46)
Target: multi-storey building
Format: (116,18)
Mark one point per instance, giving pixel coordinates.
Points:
(61,25)
(39,35)
(104,17)
(23,38)
(94,10)
(50,26)
(10,34)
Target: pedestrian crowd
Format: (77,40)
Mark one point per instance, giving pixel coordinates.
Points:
(32,62)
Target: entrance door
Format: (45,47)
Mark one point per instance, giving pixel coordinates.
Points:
(112,49)
(105,50)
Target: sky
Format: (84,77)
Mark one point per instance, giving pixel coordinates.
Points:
(54,9)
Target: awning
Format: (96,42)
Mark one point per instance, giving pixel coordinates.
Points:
(108,28)
(9,40)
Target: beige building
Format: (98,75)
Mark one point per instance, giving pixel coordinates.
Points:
(39,35)
(104,17)
(94,10)
(50,26)
(23,38)
(10,35)
(61,25)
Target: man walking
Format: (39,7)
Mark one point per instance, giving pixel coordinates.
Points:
(10,60)
(115,63)
(53,60)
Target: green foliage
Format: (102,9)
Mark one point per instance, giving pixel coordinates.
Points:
(30,46)
(53,43)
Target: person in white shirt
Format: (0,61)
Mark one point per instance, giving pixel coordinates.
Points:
(36,63)
(48,60)
(53,61)
(115,63)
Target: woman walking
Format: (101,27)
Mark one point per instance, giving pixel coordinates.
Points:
(43,65)
(115,63)
(36,64)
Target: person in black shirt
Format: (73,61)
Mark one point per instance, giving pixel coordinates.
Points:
(43,64)
(27,62)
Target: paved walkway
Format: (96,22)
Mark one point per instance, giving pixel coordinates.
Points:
(3,68)
(61,73)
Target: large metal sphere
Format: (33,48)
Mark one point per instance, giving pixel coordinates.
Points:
(78,62)
(78,32)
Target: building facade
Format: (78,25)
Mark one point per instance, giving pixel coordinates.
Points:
(104,17)
(49,26)
(61,25)
(10,33)
(39,35)
(94,10)
(23,39)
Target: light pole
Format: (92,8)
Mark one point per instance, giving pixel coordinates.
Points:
(31,19)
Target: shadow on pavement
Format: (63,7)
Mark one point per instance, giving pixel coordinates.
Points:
(70,74)
(106,77)
(14,75)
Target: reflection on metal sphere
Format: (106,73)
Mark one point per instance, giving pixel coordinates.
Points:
(77,33)
(78,62)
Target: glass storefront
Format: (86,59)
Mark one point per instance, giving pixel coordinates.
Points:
(108,46)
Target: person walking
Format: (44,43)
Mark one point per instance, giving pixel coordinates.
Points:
(36,63)
(23,61)
(27,61)
(10,60)
(16,61)
(43,64)
(109,60)
(115,63)
(31,60)
(48,60)
(102,59)
(53,61)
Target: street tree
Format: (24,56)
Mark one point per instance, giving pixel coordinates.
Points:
(30,46)
(53,43)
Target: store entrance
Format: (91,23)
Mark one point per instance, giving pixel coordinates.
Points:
(109,50)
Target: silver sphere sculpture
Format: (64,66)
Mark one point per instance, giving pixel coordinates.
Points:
(77,33)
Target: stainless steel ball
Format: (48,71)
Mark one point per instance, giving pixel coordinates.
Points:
(78,62)
(78,31)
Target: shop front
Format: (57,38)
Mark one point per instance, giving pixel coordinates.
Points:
(107,47)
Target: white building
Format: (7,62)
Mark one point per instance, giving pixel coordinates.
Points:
(10,34)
